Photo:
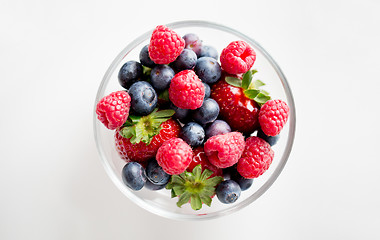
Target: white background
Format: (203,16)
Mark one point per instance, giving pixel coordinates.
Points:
(53,55)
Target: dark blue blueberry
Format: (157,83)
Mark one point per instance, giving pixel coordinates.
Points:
(144,57)
(207,113)
(243,182)
(130,73)
(193,134)
(208,51)
(217,127)
(160,77)
(208,70)
(133,175)
(272,140)
(193,42)
(186,60)
(155,173)
(207,90)
(153,187)
(228,191)
(143,98)
(180,113)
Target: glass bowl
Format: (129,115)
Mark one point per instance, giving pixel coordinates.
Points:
(160,202)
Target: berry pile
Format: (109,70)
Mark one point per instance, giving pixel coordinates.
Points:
(185,122)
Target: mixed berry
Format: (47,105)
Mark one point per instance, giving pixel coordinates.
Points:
(186,122)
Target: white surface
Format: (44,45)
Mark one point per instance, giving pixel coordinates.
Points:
(54,54)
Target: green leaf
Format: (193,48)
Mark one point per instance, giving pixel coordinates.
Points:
(146,70)
(206,174)
(164,113)
(247,79)
(178,190)
(253,71)
(177,179)
(261,98)
(205,199)
(257,83)
(184,198)
(265,92)
(213,181)
(195,202)
(251,93)
(164,95)
(173,195)
(135,119)
(169,185)
(197,171)
(236,82)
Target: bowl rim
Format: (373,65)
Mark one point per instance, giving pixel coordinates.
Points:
(233,208)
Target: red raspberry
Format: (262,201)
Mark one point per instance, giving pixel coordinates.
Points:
(225,150)
(113,110)
(186,90)
(165,45)
(174,156)
(199,157)
(141,152)
(256,158)
(237,57)
(272,117)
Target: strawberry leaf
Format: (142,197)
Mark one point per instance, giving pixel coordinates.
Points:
(257,83)
(247,79)
(251,93)
(236,82)
(261,98)
(184,198)
(195,202)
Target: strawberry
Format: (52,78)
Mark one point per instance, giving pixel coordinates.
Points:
(140,137)
(239,100)
(199,157)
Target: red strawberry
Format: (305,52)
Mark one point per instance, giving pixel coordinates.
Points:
(240,112)
(149,137)
(199,157)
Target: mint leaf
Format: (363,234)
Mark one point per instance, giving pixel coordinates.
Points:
(236,82)
(251,93)
(247,79)
(164,113)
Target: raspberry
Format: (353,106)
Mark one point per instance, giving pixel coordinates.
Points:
(256,158)
(186,90)
(165,45)
(237,57)
(225,150)
(113,109)
(174,156)
(272,117)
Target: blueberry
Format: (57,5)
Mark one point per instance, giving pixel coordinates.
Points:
(193,42)
(207,90)
(155,173)
(153,187)
(180,113)
(243,182)
(228,191)
(207,113)
(130,73)
(133,175)
(208,51)
(160,77)
(186,60)
(217,127)
(193,134)
(143,98)
(272,140)
(144,57)
(208,70)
